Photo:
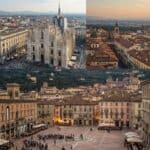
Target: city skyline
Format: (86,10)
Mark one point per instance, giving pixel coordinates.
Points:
(44,6)
(116,9)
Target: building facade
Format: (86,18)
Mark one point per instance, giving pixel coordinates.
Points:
(51,43)
(145,112)
(119,107)
(12,41)
(45,112)
(68,111)
(17,114)
(80,112)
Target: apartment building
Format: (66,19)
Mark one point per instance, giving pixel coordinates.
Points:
(12,41)
(17,113)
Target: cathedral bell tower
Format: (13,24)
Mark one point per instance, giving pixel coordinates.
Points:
(116,28)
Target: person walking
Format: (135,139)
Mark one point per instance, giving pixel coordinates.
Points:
(63,148)
(54,141)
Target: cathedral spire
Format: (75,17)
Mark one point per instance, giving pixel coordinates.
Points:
(59,9)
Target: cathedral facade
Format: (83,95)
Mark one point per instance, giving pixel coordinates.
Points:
(51,43)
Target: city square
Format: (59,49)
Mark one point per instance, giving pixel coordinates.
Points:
(92,140)
(74,75)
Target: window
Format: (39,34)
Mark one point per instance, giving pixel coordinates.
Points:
(80,109)
(10,93)
(52,44)
(16,93)
(42,45)
(59,62)
(52,52)
(90,109)
(7,113)
(12,115)
(33,57)
(59,53)
(52,61)
(33,48)
(2,117)
(42,35)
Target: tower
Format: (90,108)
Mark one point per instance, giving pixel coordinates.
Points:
(13,90)
(59,10)
(116,29)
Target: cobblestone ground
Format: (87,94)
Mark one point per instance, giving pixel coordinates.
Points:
(93,140)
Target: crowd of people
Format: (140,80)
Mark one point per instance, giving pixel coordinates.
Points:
(34,144)
(40,143)
(55,137)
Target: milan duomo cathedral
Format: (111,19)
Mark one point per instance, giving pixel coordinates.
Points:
(52,42)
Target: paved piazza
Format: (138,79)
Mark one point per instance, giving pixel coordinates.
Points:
(92,140)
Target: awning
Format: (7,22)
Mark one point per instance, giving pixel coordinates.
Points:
(39,126)
(134,140)
(131,134)
(3,142)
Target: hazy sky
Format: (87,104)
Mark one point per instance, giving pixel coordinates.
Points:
(120,9)
(68,6)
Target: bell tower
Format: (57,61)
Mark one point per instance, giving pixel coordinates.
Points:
(116,28)
(13,90)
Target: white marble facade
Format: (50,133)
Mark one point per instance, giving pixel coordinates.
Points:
(51,43)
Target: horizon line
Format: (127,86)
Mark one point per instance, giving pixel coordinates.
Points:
(31,11)
(109,18)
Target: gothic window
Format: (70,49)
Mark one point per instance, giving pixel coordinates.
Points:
(33,57)
(52,61)
(59,62)
(33,48)
(59,53)
(52,52)
(52,44)
(42,45)
(42,58)
(42,35)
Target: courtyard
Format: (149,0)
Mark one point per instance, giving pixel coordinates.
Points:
(92,140)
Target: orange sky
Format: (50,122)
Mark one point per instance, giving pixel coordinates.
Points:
(123,9)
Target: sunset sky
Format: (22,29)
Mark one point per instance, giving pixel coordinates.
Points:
(119,9)
(68,6)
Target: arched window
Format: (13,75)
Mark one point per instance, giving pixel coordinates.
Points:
(42,35)
(33,48)
(59,63)
(33,57)
(7,113)
(16,93)
(42,45)
(52,61)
